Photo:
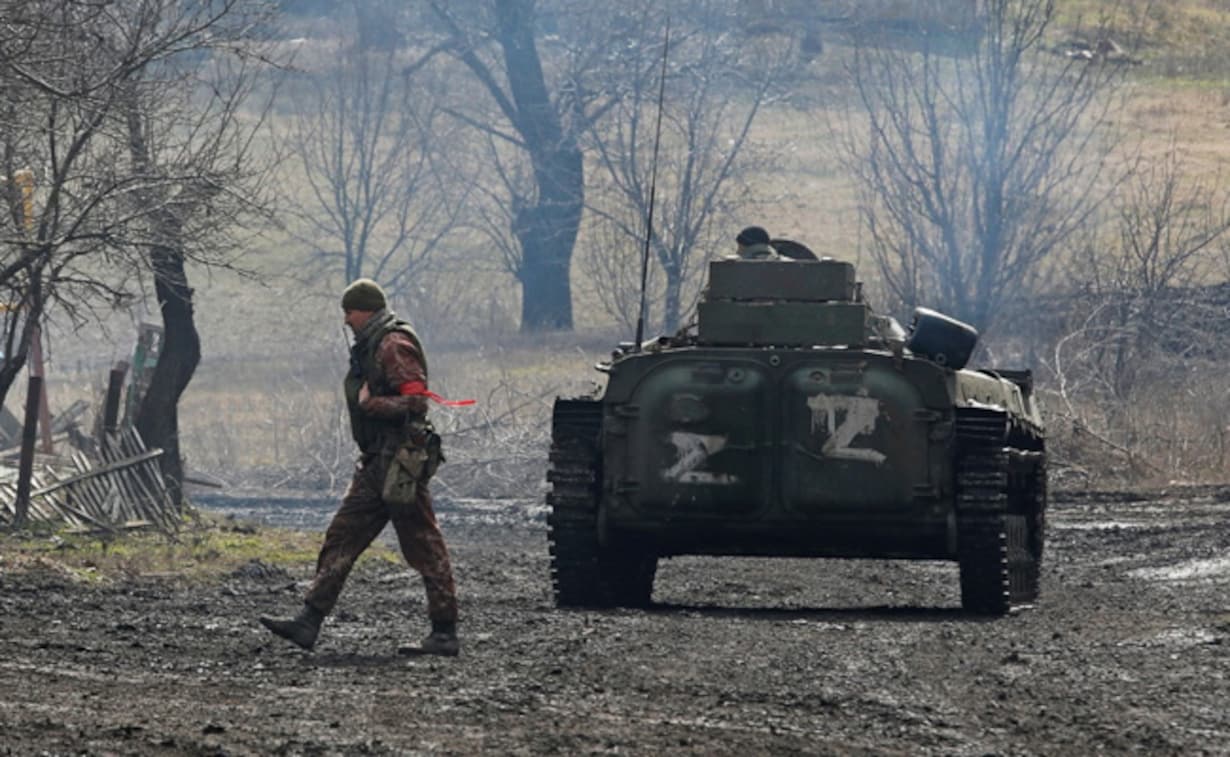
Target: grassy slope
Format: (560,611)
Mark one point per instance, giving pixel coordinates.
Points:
(207,548)
(1184,38)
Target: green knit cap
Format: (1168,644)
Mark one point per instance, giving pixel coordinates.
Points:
(364,294)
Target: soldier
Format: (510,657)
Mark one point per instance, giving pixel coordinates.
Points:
(386,392)
(753,244)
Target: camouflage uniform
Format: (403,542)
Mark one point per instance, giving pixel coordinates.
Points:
(388,357)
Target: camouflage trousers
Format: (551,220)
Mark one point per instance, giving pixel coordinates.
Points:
(360,519)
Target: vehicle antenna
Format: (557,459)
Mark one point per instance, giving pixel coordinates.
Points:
(653,187)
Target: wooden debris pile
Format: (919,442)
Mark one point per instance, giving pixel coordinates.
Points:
(105,480)
(119,486)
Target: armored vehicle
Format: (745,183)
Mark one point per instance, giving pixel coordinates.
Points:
(795,421)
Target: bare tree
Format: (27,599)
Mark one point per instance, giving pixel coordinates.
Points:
(191,122)
(538,101)
(611,262)
(973,169)
(714,92)
(1148,292)
(368,138)
(66,65)
(131,113)
(1144,321)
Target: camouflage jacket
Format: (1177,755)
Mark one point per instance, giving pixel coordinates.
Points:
(388,357)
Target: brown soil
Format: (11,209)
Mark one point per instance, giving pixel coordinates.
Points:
(1127,651)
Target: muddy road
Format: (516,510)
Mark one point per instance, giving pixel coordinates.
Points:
(1128,651)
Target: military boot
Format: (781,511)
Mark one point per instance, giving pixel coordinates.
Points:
(441,641)
(301,629)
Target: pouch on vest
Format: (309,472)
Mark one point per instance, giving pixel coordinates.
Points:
(435,455)
(406,469)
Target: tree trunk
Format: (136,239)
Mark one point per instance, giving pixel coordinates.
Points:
(18,337)
(547,229)
(547,235)
(672,305)
(158,418)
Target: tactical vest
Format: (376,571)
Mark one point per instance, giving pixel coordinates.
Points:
(378,434)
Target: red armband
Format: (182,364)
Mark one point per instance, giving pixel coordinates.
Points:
(419,389)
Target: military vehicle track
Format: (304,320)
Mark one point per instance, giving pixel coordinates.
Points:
(1001,505)
(585,572)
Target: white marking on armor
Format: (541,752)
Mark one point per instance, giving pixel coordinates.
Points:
(860,418)
(692,451)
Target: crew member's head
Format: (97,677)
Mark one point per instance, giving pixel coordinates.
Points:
(360,301)
(753,242)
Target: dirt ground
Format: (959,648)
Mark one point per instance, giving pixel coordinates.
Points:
(1127,651)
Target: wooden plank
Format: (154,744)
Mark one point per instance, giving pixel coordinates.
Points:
(101,471)
(148,477)
(144,503)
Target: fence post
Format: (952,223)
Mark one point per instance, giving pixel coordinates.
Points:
(115,389)
(36,369)
(25,469)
